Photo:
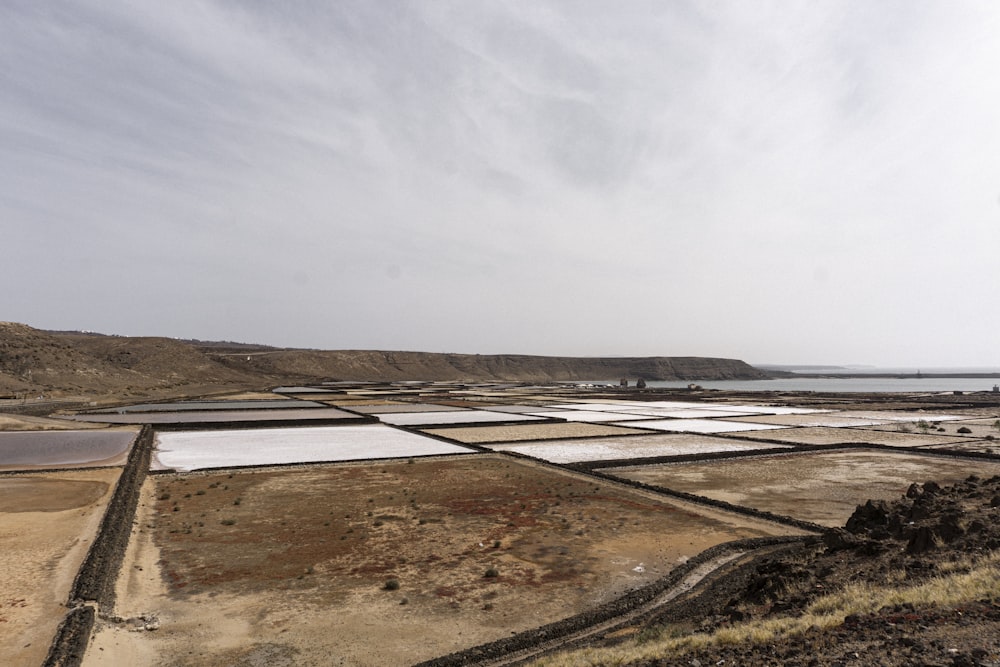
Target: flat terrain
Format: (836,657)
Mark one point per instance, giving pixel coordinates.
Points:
(289,566)
(47,522)
(64,449)
(822,487)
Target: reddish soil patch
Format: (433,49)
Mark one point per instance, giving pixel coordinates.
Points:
(479,546)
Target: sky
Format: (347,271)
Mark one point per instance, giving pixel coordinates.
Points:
(778,182)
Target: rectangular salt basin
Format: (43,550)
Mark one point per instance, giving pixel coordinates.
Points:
(893,416)
(530,431)
(402,407)
(194,450)
(833,420)
(587,416)
(666,413)
(641,407)
(180,406)
(303,390)
(451,417)
(220,416)
(520,409)
(772,409)
(701,425)
(825,435)
(632,447)
(31,449)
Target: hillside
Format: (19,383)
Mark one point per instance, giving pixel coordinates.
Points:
(60,362)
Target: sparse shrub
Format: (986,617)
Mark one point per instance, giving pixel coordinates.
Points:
(199,492)
(496,544)
(164,496)
(965,429)
(237,501)
(391,585)
(492,573)
(228,522)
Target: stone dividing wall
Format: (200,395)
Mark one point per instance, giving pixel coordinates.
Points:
(610,610)
(71,639)
(95,582)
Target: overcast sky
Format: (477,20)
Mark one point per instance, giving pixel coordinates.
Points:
(772,181)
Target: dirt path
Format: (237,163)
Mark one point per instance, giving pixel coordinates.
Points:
(693,578)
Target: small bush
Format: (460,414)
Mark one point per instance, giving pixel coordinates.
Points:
(228,522)
(391,585)
(164,496)
(965,429)
(492,573)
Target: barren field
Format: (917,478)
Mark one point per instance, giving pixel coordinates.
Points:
(290,566)
(820,487)
(47,522)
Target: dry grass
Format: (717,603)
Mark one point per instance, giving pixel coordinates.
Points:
(980,581)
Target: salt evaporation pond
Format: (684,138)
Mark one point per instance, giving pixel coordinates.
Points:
(220,416)
(702,425)
(390,407)
(451,417)
(78,449)
(179,406)
(642,407)
(587,416)
(632,447)
(195,450)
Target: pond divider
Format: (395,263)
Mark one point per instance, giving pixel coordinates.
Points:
(94,587)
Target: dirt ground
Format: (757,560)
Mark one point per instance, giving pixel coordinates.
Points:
(47,522)
(821,487)
(290,566)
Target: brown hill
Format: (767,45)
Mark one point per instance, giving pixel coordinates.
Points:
(52,362)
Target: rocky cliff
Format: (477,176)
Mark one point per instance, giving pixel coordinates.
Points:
(32,360)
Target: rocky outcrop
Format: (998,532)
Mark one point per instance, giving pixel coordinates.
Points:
(382,365)
(34,361)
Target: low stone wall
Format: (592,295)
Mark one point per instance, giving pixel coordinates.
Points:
(606,612)
(71,639)
(95,582)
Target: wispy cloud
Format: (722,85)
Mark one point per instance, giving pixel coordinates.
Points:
(778,181)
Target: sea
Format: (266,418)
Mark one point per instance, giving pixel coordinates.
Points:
(873,385)
(842,385)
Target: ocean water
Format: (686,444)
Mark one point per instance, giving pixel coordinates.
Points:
(837,385)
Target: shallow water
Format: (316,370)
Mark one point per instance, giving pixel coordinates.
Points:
(61,448)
